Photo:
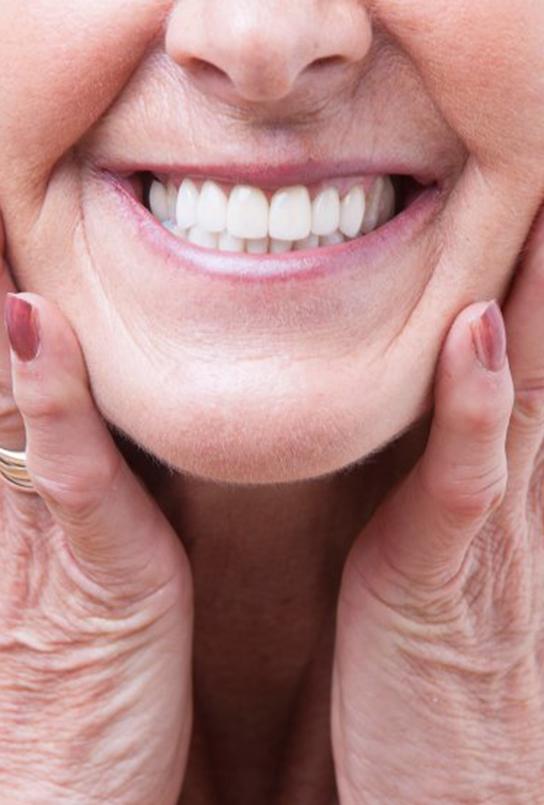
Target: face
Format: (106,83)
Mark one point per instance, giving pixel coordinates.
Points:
(230,376)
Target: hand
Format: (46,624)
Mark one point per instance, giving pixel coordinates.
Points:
(95,594)
(438,684)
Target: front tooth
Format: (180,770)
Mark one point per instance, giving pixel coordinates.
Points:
(290,214)
(247,212)
(228,243)
(202,237)
(257,246)
(388,202)
(326,212)
(352,211)
(372,211)
(278,246)
(186,204)
(211,212)
(311,242)
(158,201)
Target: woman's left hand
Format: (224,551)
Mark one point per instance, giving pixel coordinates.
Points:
(438,685)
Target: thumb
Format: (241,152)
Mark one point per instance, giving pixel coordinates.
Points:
(428,524)
(113,527)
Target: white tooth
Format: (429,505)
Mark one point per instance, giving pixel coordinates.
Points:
(372,211)
(186,204)
(387,203)
(279,246)
(257,246)
(158,201)
(326,212)
(311,242)
(247,212)
(332,240)
(174,228)
(211,212)
(290,214)
(228,243)
(201,237)
(172,196)
(352,211)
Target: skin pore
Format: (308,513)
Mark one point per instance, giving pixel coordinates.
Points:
(265,399)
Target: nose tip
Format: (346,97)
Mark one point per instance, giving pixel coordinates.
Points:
(260,50)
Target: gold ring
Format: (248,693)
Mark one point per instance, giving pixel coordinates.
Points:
(13,469)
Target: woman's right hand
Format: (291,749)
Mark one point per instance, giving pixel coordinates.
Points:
(95,593)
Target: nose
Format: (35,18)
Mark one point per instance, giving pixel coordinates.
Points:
(261,50)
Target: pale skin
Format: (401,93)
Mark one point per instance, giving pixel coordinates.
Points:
(435,582)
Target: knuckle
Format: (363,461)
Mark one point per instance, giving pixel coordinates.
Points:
(477,503)
(467,495)
(489,412)
(529,405)
(482,418)
(48,415)
(36,404)
(40,403)
(486,410)
(80,492)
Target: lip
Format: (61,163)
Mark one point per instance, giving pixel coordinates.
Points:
(269,176)
(364,252)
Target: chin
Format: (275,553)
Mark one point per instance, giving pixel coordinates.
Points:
(255,440)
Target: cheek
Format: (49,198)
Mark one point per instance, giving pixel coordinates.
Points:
(62,64)
(483,62)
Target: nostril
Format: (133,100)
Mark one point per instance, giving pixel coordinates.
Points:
(205,69)
(326,61)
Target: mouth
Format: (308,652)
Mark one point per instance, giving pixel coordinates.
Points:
(260,219)
(257,223)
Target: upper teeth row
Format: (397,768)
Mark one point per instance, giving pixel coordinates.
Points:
(290,215)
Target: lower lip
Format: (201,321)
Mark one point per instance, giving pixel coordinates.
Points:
(304,265)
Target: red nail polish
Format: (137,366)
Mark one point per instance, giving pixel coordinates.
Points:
(21,320)
(489,338)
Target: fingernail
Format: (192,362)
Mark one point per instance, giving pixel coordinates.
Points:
(489,338)
(21,320)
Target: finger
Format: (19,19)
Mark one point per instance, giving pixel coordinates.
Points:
(12,433)
(524,317)
(114,528)
(430,522)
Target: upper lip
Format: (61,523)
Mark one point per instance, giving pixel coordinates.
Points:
(270,176)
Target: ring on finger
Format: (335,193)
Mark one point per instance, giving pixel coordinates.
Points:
(14,470)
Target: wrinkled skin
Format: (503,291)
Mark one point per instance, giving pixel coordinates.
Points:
(195,369)
(459,84)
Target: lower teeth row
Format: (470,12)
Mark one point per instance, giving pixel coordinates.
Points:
(225,242)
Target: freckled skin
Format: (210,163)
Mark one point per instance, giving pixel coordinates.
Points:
(461,82)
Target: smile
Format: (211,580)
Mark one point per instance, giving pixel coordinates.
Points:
(270,228)
(247,219)
(242,218)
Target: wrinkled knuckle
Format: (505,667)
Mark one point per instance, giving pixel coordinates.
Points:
(465,498)
(529,405)
(36,405)
(484,417)
(47,410)
(474,504)
(80,492)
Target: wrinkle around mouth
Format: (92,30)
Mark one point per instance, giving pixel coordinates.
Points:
(435,259)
